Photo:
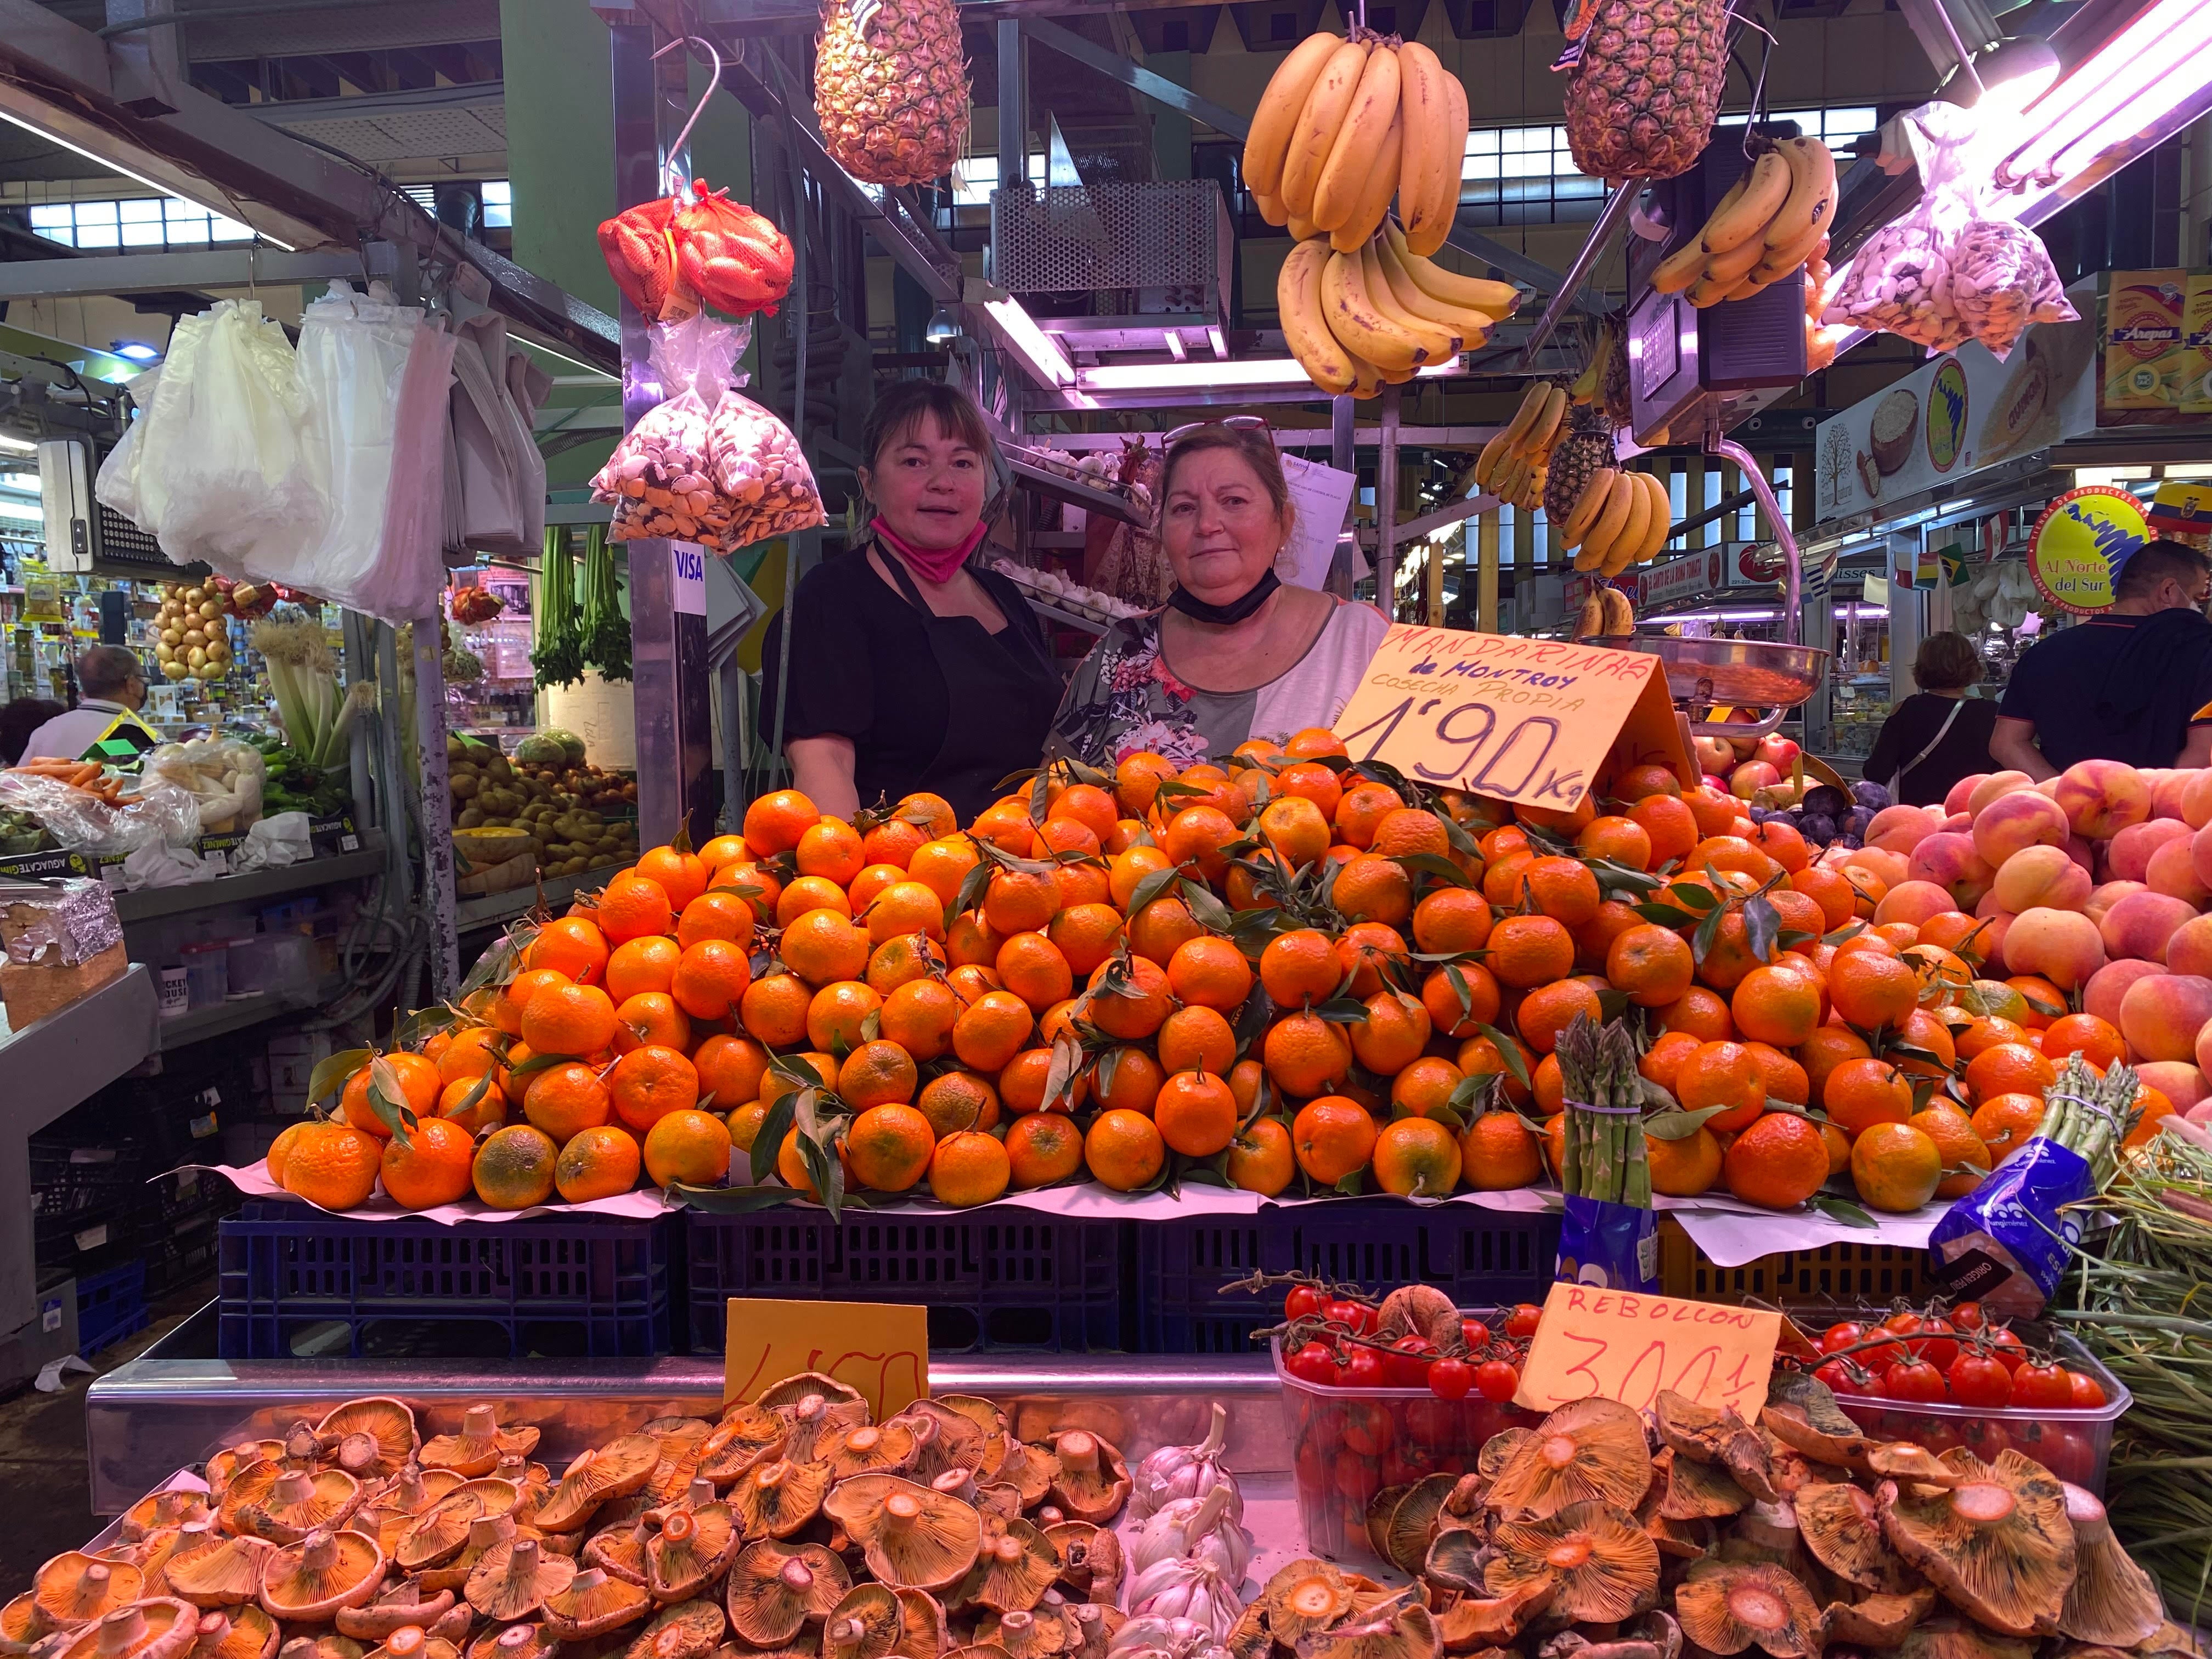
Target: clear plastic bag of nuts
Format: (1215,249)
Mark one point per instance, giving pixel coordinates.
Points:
(755,463)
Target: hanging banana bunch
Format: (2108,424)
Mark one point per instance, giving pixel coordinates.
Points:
(1773,220)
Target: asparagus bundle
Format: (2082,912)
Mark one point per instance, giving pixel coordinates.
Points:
(1604,1155)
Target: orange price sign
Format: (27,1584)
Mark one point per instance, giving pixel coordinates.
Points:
(1628,1347)
(881,1348)
(1532,722)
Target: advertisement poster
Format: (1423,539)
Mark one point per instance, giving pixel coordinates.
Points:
(2078,541)
(1953,416)
(2156,347)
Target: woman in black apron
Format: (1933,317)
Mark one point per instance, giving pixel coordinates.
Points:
(910,668)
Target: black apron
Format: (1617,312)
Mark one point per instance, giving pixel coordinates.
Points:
(1001,691)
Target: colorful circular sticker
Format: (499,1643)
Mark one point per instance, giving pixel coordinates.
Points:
(2078,543)
(1946,415)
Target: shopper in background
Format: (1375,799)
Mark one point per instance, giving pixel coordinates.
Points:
(110,686)
(1235,655)
(1940,733)
(18,721)
(910,668)
(2130,684)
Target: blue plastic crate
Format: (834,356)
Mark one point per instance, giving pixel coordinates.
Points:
(293,1281)
(997,1280)
(1479,1257)
(110,1306)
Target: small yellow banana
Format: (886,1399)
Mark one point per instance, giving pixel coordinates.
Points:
(1437,342)
(1351,161)
(1422,106)
(1597,542)
(1540,436)
(1471,326)
(1662,518)
(1680,268)
(1625,546)
(1298,302)
(1276,117)
(1319,122)
(1486,463)
(1496,300)
(1746,217)
(1270,208)
(1812,199)
(1354,319)
(1588,505)
(1532,406)
(1367,214)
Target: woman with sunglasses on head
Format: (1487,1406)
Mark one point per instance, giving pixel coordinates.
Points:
(1236,654)
(910,668)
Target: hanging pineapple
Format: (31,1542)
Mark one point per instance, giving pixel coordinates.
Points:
(1641,94)
(891,89)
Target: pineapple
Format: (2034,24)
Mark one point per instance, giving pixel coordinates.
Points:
(891,89)
(1575,461)
(1642,99)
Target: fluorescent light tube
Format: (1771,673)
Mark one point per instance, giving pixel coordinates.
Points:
(1038,349)
(1170,377)
(112,165)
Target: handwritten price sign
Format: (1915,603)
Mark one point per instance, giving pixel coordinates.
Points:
(1532,722)
(1628,1347)
(880,1348)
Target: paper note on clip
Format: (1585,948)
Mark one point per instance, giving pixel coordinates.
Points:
(880,1348)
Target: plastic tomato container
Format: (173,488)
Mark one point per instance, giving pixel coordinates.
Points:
(2074,1445)
(1347,1444)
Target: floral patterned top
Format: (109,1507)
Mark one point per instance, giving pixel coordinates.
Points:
(1124,700)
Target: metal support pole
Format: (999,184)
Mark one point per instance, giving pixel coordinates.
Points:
(1486,578)
(1013,107)
(436,808)
(1386,508)
(1341,561)
(668,589)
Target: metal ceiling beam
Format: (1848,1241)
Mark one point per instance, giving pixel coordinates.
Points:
(156,273)
(734,18)
(1154,86)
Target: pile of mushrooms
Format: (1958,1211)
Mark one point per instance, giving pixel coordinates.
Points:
(1599,1536)
(793,1528)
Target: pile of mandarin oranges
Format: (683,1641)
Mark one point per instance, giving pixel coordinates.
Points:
(1287,973)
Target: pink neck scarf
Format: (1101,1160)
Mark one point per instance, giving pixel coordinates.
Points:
(933,564)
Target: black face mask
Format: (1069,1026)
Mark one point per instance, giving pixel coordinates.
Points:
(1220,615)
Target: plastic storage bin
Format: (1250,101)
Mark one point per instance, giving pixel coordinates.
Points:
(1834,1275)
(294,1281)
(1347,1444)
(2072,1445)
(995,1281)
(110,1306)
(1477,1256)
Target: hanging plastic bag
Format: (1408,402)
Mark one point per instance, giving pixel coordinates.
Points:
(2002,280)
(117,485)
(227,470)
(756,462)
(376,378)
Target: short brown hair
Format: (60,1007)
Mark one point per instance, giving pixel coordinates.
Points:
(1947,662)
(906,404)
(1256,444)
(2154,562)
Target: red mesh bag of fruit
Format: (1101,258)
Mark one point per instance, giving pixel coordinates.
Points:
(640,248)
(733,257)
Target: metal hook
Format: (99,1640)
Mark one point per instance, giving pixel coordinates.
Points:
(668,174)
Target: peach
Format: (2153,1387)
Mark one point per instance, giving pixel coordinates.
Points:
(2083,853)
(2200,1113)
(1994,784)
(1959,823)
(2012,822)
(2130,850)
(2107,895)
(2197,800)
(2200,854)
(1951,863)
(2102,995)
(2166,792)
(2102,797)
(2062,946)
(1902,829)
(2161,1016)
(1879,861)
(2173,870)
(1962,792)
(1990,940)
(2040,877)
(2204,1048)
(1914,901)
(2190,950)
(2139,925)
(2179,1080)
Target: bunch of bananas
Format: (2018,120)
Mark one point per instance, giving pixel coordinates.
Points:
(1346,124)
(1513,465)
(1606,615)
(1359,318)
(1772,219)
(1623,518)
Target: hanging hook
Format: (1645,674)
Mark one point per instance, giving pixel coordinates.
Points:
(670,179)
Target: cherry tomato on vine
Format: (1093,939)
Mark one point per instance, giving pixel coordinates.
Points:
(1353,1315)
(1475,1333)
(1979,1379)
(2089,1393)
(1409,1363)
(1450,1379)
(1848,1376)
(1498,1379)
(1928,1339)
(2044,1387)
(1304,1302)
(1915,1380)
(1845,1333)
(1969,1317)
(1522,1321)
(1363,1369)
(2008,1347)
(1315,1363)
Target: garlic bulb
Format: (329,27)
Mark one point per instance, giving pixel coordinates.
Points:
(1174,1472)
(1195,1528)
(1182,1589)
(1153,1634)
